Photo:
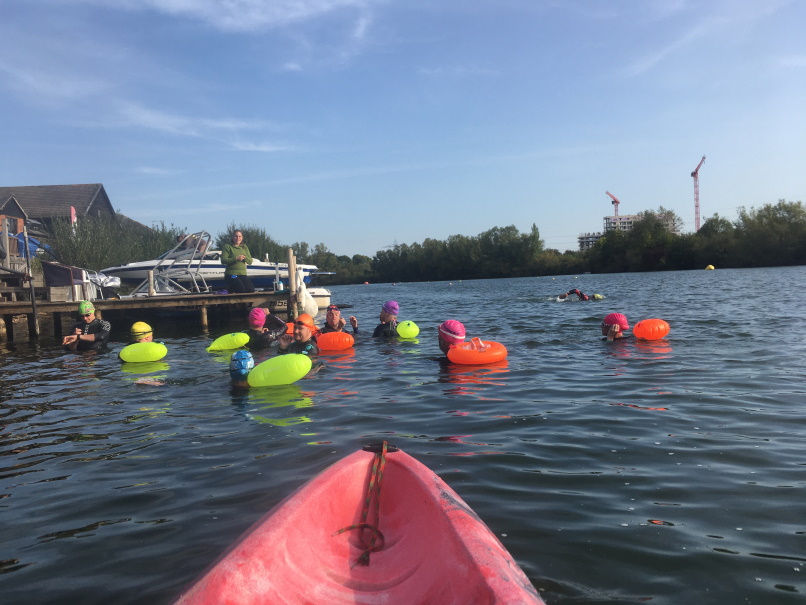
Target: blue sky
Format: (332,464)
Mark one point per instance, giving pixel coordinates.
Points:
(365,123)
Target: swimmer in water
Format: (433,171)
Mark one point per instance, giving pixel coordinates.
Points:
(450,333)
(141,332)
(262,335)
(580,295)
(613,326)
(88,333)
(302,340)
(334,322)
(388,325)
(240,364)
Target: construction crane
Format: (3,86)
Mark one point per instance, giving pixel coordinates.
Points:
(696,176)
(615,202)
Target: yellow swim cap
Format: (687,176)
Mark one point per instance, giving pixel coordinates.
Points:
(140,329)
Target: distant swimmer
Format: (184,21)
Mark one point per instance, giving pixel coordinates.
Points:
(580,295)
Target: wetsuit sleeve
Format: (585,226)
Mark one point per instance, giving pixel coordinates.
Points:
(378,331)
(103,334)
(276,329)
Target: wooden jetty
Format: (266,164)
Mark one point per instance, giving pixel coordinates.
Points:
(201,305)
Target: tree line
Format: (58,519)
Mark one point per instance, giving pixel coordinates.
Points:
(772,235)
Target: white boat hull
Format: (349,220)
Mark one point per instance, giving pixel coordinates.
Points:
(209,270)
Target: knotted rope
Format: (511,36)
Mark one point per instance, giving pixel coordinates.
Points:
(376,539)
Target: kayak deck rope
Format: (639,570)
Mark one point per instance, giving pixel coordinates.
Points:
(373,499)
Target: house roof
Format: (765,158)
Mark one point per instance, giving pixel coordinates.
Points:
(47,201)
(11,207)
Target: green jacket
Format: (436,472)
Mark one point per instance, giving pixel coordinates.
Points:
(228,255)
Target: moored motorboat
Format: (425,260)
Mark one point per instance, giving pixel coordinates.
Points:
(375,527)
(191,266)
(263,274)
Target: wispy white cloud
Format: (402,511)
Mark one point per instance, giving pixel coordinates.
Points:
(49,85)
(156,171)
(361,27)
(793,61)
(262,147)
(226,130)
(134,115)
(650,60)
(457,72)
(241,15)
(713,21)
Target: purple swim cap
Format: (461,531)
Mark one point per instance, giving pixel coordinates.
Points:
(391,307)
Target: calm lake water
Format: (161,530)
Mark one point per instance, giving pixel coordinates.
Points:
(670,471)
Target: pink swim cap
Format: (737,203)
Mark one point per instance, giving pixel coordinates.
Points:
(257,318)
(616,319)
(452,331)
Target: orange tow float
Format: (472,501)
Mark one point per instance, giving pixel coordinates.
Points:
(477,353)
(650,329)
(334,341)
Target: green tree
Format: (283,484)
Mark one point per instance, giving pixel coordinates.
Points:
(98,242)
(772,235)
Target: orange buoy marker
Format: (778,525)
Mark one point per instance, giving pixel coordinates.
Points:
(334,341)
(477,353)
(650,329)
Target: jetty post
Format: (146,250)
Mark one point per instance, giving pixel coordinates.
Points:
(33,318)
(292,285)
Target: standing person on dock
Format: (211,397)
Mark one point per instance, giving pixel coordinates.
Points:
(261,335)
(388,325)
(89,333)
(302,340)
(236,256)
(450,333)
(334,322)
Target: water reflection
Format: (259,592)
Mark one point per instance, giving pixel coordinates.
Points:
(144,367)
(271,398)
(473,380)
(654,349)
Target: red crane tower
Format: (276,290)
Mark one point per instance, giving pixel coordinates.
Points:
(615,202)
(696,176)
